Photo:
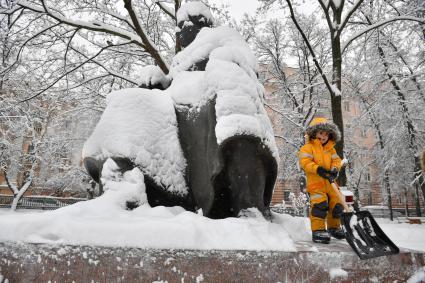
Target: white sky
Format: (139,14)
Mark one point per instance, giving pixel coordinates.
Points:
(239,7)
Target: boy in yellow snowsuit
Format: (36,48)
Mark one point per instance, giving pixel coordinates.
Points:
(321,164)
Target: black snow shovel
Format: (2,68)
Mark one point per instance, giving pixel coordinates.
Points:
(363,233)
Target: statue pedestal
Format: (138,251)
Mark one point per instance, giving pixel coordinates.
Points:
(334,263)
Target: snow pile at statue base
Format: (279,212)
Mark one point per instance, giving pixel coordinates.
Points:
(104,221)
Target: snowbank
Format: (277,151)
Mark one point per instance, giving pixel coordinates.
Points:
(140,124)
(101,222)
(230,77)
(418,277)
(404,235)
(104,222)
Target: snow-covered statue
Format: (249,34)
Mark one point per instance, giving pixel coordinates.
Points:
(139,128)
(206,141)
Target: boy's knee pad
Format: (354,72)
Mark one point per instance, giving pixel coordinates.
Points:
(337,211)
(320,209)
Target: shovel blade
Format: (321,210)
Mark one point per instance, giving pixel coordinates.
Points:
(365,236)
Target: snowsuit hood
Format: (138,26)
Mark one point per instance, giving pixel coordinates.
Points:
(322,124)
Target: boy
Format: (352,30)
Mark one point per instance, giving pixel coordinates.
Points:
(321,164)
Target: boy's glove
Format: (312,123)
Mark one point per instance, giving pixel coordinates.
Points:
(326,174)
(322,172)
(333,174)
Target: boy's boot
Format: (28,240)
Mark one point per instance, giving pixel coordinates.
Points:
(321,236)
(337,233)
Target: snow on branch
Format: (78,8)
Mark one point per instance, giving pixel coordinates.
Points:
(25,43)
(102,8)
(109,71)
(69,87)
(166,9)
(336,91)
(297,146)
(379,24)
(284,116)
(93,26)
(70,71)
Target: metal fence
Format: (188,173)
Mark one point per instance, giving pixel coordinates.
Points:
(38,202)
(290,210)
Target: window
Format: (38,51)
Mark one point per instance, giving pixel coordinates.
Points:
(261,76)
(363,132)
(369,198)
(286,195)
(37,128)
(346,105)
(367,176)
(30,148)
(67,125)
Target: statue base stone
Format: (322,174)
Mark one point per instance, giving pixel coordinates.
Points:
(334,263)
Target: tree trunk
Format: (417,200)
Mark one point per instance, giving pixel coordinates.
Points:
(177,5)
(336,101)
(388,190)
(406,204)
(419,177)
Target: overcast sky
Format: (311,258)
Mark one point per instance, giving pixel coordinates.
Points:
(238,7)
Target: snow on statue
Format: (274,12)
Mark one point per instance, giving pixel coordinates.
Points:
(205,141)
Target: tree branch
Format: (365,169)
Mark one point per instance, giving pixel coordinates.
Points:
(24,44)
(348,16)
(70,71)
(149,45)
(325,79)
(379,24)
(165,10)
(325,9)
(287,141)
(12,187)
(93,26)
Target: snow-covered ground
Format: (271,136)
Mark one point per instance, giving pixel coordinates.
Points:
(104,221)
(146,227)
(88,223)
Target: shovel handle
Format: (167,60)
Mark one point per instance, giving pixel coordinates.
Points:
(341,197)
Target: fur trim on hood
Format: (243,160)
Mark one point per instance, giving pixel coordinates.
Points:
(322,124)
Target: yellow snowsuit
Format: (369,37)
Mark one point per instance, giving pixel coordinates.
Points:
(324,202)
